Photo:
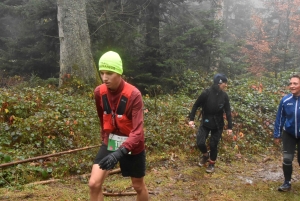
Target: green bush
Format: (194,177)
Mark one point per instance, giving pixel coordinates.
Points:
(44,120)
(166,123)
(39,121)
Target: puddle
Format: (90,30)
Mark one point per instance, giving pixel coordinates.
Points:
(270,172)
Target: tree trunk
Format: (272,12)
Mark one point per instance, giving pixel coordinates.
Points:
(287,38)
(217,6)
(152,39)
(76,59)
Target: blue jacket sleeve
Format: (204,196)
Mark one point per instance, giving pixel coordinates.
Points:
(280,119)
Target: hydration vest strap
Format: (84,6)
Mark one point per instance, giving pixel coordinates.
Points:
(106,106)
(122,105)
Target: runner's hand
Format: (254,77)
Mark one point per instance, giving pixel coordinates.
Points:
(277,141)
(192,124)
(229,132)
(109,161)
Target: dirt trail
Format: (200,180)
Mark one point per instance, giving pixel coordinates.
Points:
(179,179)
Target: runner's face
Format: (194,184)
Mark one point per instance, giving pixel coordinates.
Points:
(223,86)
(110,79)
(294,86)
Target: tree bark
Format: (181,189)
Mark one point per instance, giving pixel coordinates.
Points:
(217,6)
(152,38)
(76,59)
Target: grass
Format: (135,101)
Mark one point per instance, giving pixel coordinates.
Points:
(174,178)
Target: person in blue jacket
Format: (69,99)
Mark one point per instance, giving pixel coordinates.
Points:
(287,129)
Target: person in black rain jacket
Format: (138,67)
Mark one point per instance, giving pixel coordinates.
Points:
(214,102)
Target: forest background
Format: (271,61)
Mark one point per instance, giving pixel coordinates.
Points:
(170,51)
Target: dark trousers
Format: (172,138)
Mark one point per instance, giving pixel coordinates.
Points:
(289,143)
(215,137)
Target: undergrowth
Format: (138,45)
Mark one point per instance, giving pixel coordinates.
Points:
(44,119)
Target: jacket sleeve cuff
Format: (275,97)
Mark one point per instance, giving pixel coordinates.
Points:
(124,150)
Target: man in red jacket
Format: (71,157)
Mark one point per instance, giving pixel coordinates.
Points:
(120,110)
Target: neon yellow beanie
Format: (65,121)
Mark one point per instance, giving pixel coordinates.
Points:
(111,61)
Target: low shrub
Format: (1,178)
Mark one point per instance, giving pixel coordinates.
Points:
(42,120)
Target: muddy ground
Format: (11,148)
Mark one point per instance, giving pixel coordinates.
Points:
(180,178)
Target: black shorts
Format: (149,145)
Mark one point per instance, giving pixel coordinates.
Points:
(131,165)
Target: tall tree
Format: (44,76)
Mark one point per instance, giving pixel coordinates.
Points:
(273,43)
(29,38)
(152,55)
(237,15)
(217,8)
(257,47)
(156,39)
(76,58)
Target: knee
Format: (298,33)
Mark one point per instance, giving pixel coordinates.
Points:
(214,144)
(213,148)
(201,145)
(138,187)
(94,185)
(287,161)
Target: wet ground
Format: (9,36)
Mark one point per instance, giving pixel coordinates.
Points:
(268,169)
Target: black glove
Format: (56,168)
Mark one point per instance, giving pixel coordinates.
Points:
(109,161)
